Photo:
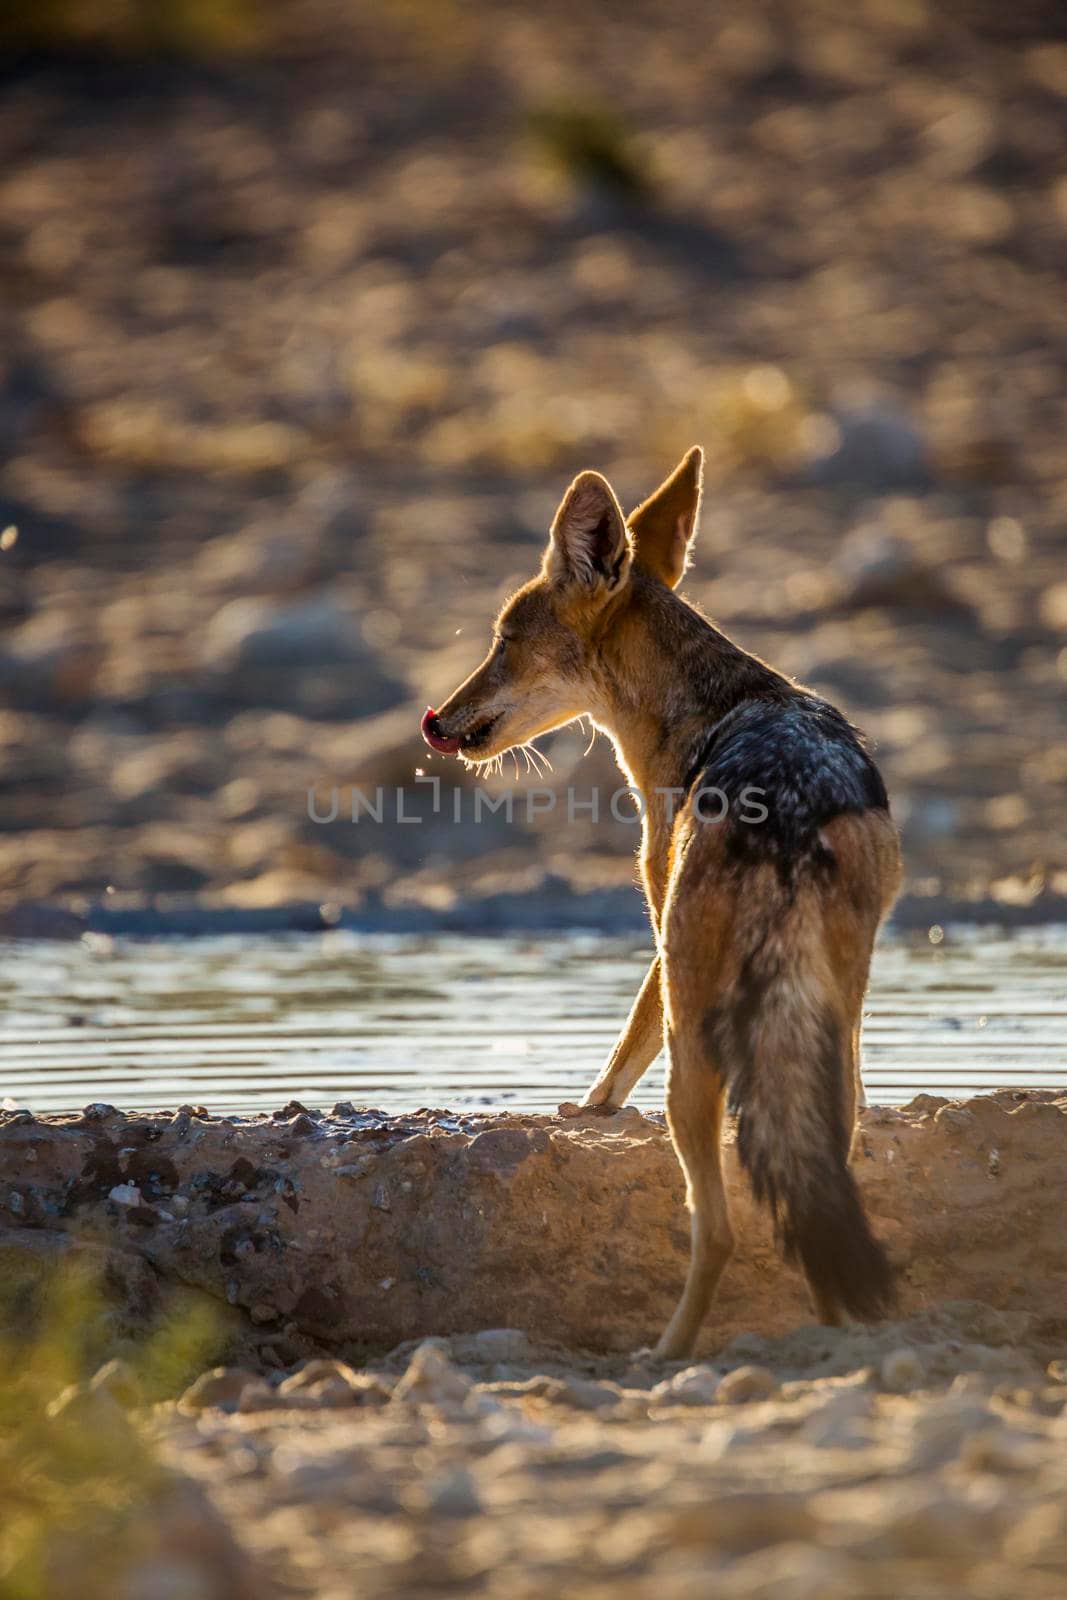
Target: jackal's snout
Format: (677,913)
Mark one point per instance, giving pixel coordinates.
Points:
(457,734)
(435,735)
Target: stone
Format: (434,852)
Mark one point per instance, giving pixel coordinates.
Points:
(222,1387)
(431,1379)
(901,1372)
(746,1383)
(257,1395)
(693,1386)
(316,1371)
(492,1345)
(330,1383)
(586,1395)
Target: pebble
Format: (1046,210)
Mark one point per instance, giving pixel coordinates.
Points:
(431,1379)
(587,1395)
(584,1394)
(693,1386)
(492,1346)
(98,1111)
(902,1371)
(315,1371)
(746,1383)
(331,1384)
(257,1395)
(222,1387)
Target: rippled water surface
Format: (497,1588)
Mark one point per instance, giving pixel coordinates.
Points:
(240,1024)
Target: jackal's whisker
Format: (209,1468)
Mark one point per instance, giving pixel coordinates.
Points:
(536,759)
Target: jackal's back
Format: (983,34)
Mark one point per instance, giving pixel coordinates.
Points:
(800,761)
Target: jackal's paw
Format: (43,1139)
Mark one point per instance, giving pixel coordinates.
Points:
(569,1108)
(600,1099)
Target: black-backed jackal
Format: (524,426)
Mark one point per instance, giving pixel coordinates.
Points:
(764,928)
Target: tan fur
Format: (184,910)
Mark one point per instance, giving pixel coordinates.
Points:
(599,633)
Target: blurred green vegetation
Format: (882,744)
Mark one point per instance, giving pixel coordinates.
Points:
(76,1472)
(590,145)
(134,27)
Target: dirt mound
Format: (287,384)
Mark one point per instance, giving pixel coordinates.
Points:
(354,1231)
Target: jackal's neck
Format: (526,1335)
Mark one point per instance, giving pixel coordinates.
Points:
(667,677)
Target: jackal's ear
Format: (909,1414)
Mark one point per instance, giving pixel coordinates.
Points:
(664,526)
(588,543)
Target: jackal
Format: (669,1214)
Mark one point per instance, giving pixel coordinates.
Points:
(763,928)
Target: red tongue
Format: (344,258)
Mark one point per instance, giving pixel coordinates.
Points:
(435,740)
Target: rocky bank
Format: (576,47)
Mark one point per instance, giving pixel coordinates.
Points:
(352,1231)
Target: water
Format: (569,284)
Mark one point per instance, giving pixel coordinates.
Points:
(240,1025)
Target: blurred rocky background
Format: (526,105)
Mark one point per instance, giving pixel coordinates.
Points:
(309,311)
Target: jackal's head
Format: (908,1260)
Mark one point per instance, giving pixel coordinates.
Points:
(544,666)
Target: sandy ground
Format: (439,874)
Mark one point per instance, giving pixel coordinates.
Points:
(924,1458)
(298,353)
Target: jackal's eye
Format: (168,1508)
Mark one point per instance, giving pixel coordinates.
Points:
(500,649)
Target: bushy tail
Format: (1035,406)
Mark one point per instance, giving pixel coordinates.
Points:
(784,1056)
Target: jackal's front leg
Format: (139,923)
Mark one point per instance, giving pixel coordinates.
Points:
(637,1046)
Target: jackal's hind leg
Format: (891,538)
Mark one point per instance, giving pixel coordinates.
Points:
(694,1115)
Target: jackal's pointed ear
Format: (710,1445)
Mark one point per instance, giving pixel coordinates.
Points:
(664,526)
(588,544)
